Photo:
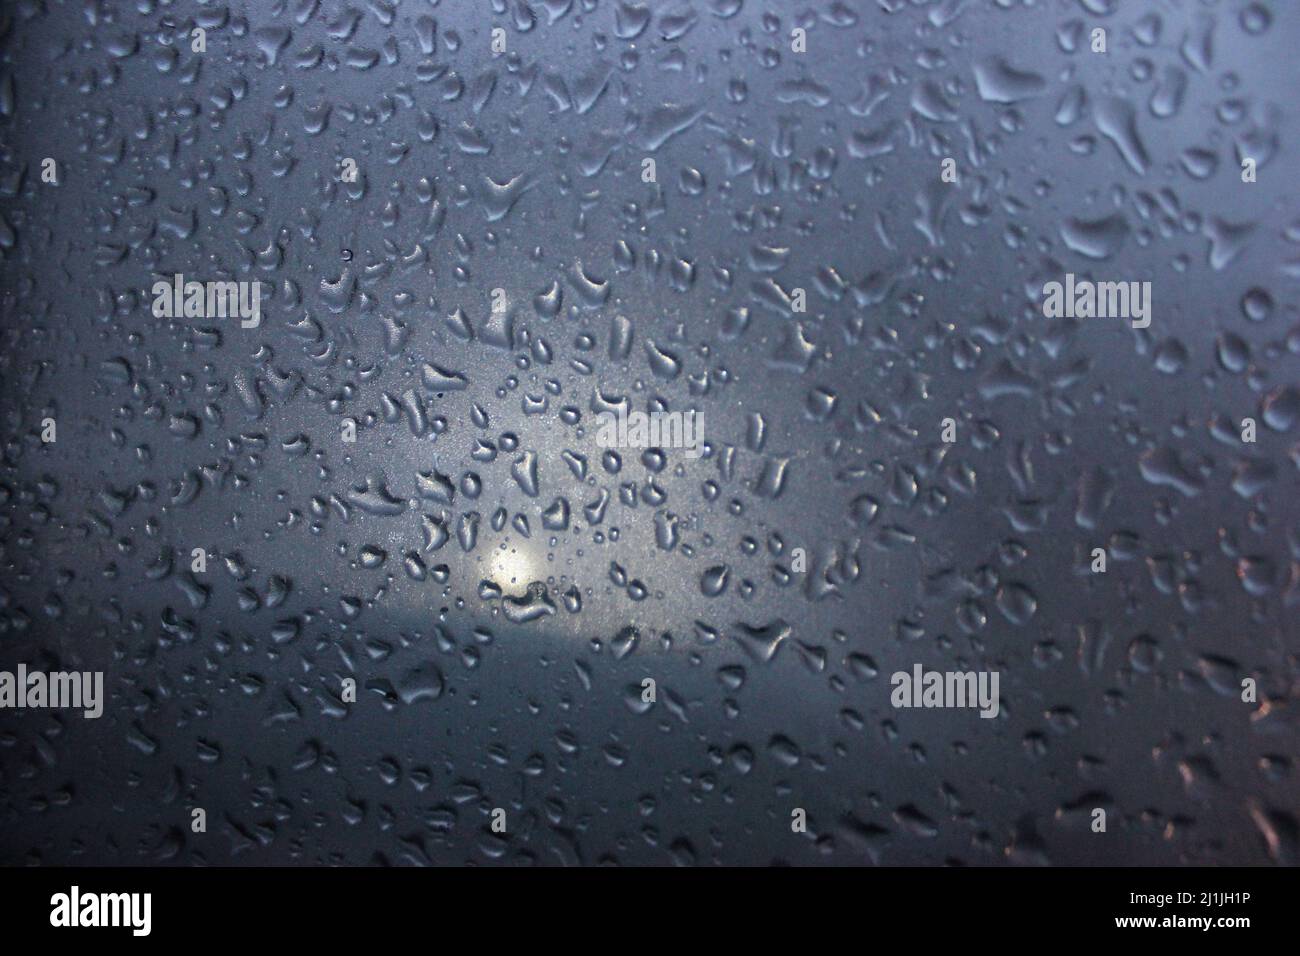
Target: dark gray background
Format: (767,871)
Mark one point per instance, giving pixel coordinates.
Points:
(775,171)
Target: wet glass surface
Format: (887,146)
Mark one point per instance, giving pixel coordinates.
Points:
(825,237)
